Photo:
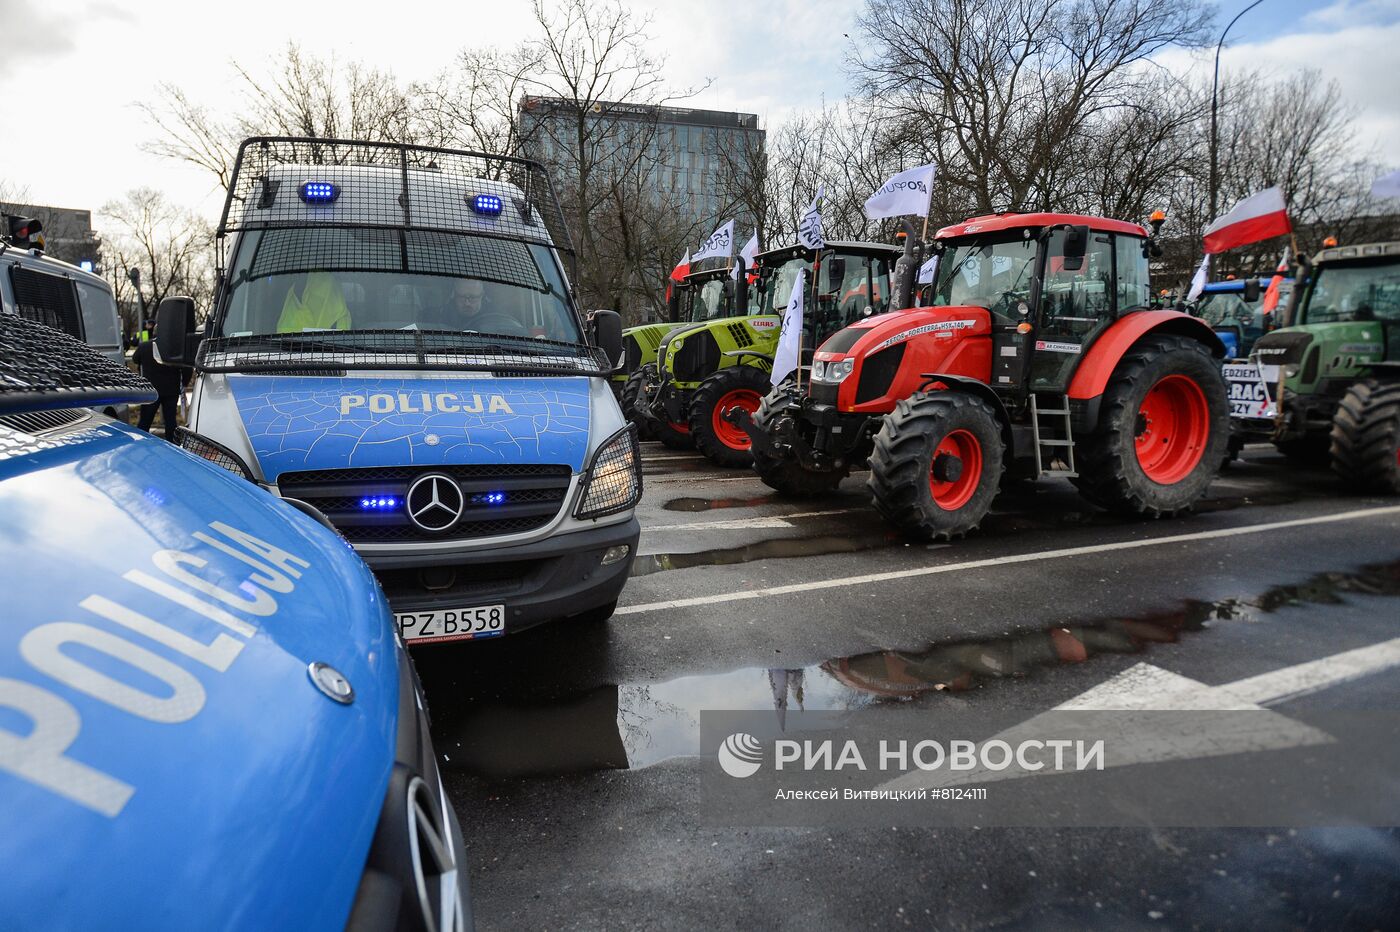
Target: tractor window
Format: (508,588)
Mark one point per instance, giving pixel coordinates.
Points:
(1075,306)
(996,276)
(1360,291)
(775,286)
(711,301)
(1133,288)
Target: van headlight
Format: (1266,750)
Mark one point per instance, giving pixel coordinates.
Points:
(216,453)
(833,372)
(613,482)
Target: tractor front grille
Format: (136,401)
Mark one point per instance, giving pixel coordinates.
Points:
(531,497)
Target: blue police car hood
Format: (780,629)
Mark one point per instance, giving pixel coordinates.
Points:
(166,760)
(297,423)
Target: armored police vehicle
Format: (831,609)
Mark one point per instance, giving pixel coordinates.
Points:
(395,344)
(206,718)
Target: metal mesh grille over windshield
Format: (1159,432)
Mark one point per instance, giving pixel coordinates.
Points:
(41,368)
(299,182)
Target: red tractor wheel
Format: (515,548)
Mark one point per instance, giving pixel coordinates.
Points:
(1164,427)
(721,442)
(937,464)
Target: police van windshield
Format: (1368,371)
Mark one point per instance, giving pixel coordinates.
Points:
(318,279)
(1355,291)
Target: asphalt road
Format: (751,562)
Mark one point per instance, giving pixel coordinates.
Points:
(570,752)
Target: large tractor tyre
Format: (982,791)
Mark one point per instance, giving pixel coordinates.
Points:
(721,442)
(1164,428)
(1366,437)
(631,392)
(674,436)
(1311,450)
(788,477)
(937,464)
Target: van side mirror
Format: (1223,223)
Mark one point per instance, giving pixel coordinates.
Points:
(1076,245)
(1251,290)
(175,339)
(605,332)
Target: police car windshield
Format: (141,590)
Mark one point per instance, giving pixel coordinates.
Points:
(318,279)
(1354,291)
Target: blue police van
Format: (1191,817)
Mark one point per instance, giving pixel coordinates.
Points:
(206,717)
(1231,307)
(395,345)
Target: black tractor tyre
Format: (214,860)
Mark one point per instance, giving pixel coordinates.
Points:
(721,442)
(1310,450)
(1110,474)
(788,477)
(903,465)
(671,436)
(631,392)
(1366,437)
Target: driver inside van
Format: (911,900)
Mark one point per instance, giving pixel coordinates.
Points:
(321,306)
(472,306)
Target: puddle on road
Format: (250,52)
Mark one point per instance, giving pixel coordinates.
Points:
(708,504)
(519,732)
(777,548)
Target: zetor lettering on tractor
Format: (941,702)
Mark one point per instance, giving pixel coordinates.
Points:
(698,299)
(710,368)
(1330,380)
(1037,356)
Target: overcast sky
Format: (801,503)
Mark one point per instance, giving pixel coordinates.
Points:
(71,71)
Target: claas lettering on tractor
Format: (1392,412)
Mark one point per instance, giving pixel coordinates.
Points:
(712,367)
(1037,356)
(1328,384)
(698,300)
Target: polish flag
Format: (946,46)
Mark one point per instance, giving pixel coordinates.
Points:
(1258,217)
(1271,296)
(682,268)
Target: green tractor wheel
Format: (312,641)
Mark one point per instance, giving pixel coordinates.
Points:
(787,476)
(721,442)
(1366,437)
(631,391)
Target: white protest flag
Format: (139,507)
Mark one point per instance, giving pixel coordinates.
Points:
(809,228)
(719,245)
(1386,185)
(929,270)
(785,359)
(907,193)
(748,253)
(1198,281)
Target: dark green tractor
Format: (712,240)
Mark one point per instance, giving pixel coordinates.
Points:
(707,368)
(1329,381)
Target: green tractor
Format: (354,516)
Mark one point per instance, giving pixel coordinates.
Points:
(705,369)
(1328,384)
(699,299)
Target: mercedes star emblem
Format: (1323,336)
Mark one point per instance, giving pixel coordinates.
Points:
(434,502)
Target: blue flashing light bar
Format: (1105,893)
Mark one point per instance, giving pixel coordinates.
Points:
(379,503)
(489,498)
(488,204)
(319,192)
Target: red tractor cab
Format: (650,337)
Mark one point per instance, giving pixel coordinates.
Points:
(1038,355)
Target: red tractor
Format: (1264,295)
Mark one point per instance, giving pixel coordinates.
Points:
(1036,355)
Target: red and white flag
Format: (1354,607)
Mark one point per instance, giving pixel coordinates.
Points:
(682,268)
(1258,217)
(1271,296)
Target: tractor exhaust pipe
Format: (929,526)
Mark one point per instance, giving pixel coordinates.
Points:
(741,288)
(906,270)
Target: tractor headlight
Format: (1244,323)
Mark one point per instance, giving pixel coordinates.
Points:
(613,482)
(832,372)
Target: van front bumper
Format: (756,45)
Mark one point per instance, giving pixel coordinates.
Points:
(545,580)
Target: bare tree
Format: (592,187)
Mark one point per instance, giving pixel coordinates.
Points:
(171,247)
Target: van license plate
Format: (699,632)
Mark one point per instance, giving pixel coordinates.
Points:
(451,624)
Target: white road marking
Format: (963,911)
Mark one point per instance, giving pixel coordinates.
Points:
(1147,688)
(698,477)
(736,524)
(845,581)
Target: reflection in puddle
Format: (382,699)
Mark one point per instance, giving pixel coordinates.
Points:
(778,548)
(636,725)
